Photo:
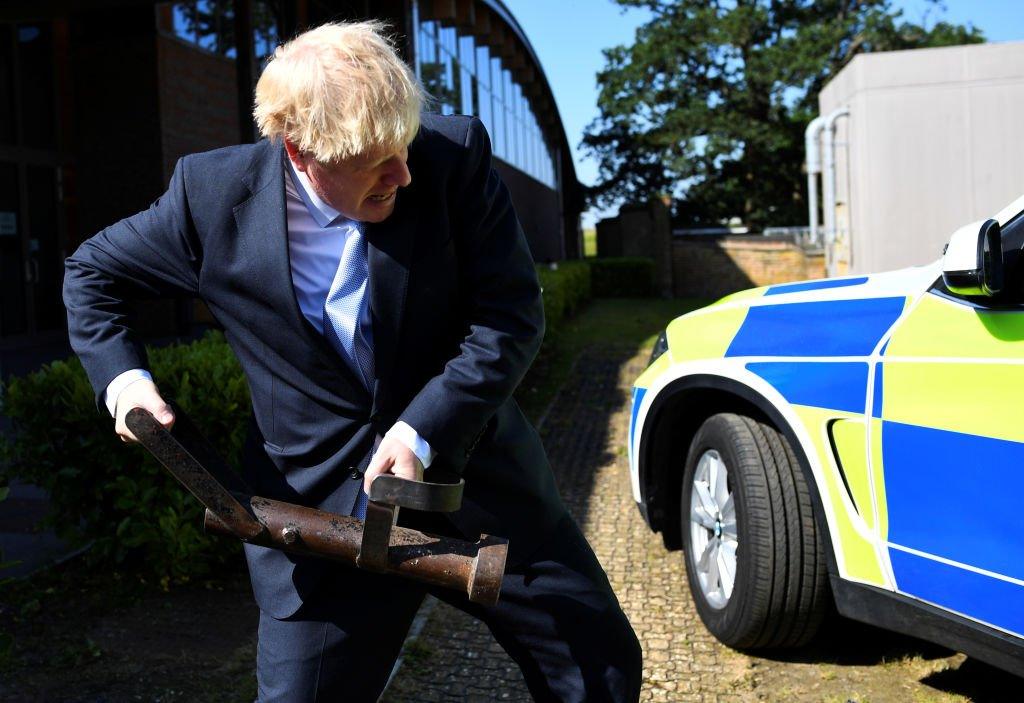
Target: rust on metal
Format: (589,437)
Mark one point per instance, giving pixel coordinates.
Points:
(185,467)
(373,547)
(473,568)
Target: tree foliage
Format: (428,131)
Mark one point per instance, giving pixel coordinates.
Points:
(211,24)
(711,101)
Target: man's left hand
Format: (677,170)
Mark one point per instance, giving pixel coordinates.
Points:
(393,457)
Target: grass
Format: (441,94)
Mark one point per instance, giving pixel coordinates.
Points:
(590,242)
(631,324)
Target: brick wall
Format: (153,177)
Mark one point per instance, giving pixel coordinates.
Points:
(712,266)
(198,100)
(198,112)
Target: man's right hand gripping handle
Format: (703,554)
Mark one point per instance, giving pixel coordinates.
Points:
(141,394)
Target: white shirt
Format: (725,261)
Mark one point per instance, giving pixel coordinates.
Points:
(316,238)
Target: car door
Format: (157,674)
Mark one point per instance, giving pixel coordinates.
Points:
(948,429)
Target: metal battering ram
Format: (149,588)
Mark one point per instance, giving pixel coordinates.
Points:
(473,568)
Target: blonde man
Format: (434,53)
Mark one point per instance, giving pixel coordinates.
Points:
(372,278)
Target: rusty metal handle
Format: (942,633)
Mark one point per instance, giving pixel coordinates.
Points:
(185,465)
(417,495)
(387,494)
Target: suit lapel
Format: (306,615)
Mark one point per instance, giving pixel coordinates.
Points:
(390,252)
(262,225)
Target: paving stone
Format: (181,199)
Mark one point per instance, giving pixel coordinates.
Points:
(585,437)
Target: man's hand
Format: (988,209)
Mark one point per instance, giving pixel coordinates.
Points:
(141,394)
(393,457)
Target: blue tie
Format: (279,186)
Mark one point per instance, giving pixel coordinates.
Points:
(346,322)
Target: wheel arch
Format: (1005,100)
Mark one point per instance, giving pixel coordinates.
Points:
(683,405)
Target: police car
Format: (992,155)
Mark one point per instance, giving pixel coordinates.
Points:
(858,439)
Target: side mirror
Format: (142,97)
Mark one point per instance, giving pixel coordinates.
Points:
(972,263)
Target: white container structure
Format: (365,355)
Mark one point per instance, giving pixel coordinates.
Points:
(932,139)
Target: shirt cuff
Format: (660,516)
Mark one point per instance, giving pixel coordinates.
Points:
(405,434)
(120,382)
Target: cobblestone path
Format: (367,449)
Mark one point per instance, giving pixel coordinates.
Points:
(454,657)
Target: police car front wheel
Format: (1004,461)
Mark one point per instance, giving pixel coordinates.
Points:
(754,559)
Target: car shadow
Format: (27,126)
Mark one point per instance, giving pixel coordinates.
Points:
(843,642)
(977,681)
(846,642)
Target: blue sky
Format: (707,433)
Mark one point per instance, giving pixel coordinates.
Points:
(568,36)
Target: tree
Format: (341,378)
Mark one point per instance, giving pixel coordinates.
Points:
(211,24)
(711,101)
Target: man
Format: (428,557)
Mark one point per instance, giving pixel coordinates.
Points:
(372,278)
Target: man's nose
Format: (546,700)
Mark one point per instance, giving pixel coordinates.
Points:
(398,173)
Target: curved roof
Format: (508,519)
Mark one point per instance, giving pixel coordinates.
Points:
(465,12)
(499,8)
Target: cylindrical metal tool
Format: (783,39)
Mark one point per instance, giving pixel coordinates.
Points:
(474,568)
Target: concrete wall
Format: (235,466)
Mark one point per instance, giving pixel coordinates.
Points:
(705,266)
(933,143)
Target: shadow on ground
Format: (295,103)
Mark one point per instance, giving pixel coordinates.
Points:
(977,682)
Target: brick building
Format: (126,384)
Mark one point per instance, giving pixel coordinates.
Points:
(99,99)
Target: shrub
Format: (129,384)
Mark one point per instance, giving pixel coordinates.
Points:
(566,287)
(623,277)
(116,495)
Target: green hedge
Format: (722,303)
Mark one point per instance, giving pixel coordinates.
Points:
(623,277)
(113,494)
(565,286)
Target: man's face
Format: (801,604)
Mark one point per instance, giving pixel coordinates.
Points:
(362,188)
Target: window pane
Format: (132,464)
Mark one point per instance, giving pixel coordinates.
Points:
(484,103)
(498,109)
(483,66)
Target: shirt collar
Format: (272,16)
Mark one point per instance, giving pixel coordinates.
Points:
(323,213)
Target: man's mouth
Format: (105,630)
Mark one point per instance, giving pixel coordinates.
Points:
(382,198)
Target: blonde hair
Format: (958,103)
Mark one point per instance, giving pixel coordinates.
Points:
(338,91)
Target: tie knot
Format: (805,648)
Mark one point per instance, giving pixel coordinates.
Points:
(342,222)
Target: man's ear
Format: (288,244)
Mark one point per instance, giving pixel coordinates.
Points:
(295,155)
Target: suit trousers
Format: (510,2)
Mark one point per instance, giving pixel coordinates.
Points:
(557,617)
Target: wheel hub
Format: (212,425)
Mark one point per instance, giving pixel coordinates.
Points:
(713,538)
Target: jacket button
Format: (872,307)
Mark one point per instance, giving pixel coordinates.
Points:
(354,474)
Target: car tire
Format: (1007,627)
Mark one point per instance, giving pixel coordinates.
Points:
(764,522)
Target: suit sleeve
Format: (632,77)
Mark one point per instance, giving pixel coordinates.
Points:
(152,254)
(505,318)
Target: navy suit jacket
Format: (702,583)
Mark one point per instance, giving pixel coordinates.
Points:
(457,320)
